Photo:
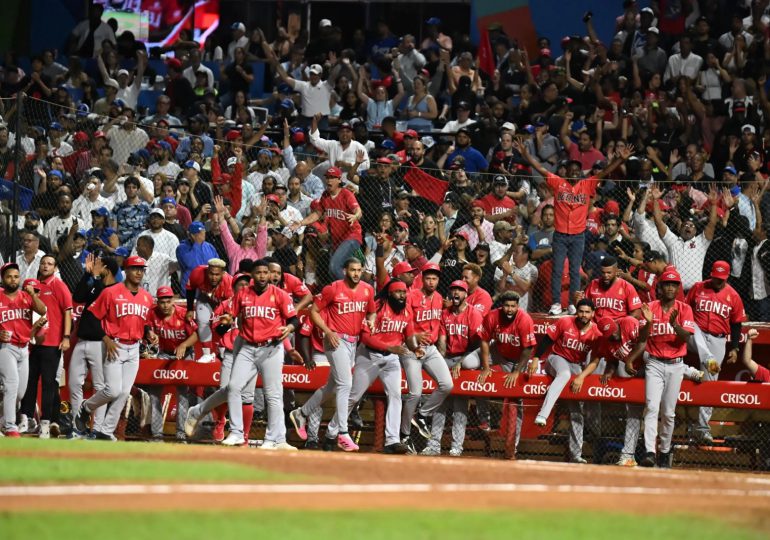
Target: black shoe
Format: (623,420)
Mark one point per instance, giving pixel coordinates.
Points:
(406,440)
(664,460)
(311,445)
(82,418)
(648,460)
(395,448)
(421,423)
(329,444)
(355,422)
(99,436)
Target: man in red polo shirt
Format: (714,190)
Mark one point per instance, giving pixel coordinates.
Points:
(342,213)
(571,199)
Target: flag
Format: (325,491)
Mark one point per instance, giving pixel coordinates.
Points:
(24,194)
(486,61)
(427,186)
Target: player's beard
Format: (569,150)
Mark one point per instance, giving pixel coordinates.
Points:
(396,304)
(10,288)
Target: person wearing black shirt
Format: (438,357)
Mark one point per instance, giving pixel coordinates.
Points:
(283,252)
(87,354)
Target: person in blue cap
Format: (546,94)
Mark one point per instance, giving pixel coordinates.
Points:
(163,163)
(101,237)
(194,251)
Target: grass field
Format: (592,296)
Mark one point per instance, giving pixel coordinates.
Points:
(368,525)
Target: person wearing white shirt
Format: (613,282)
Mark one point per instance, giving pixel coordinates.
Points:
(61,223)
(463,119)
(759,304)
(684,62)
(166,242)
(159,265)
(90,200)
(345,149)
(239,40)
(523,276)
(126,138)
(410,61)
(315,94)
(29,256)
(93,26)
(687,252)
(195,67)
(727,40)
(163,164)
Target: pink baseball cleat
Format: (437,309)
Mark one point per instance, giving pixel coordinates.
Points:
(346,443)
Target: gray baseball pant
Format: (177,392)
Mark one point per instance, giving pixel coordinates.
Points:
(248,362)
(634,414)
(662,381)
(561,370)
(14,374)
(314,419)
(183,398)
(458,405)
(369,366)
(203,314)
(119,377)
(340,381)
(708,347)
(87,355)
(593,409)
(437,368)
(473,361)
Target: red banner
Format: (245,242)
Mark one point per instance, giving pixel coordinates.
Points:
(426,186)
(741,395)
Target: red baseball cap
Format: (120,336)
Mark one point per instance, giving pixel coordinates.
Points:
(99,133)
(174,63)
(396,286)
(463,234)
(661,203)
(403,225)
(8,266)
(607,326)
(671,276)
(431,267)
(402,268)
(612,207)
(80,136)
(720,270)
(384,160)
(459,284)
(333,172)
(273,198)
(164,292)
(134,260)
(31,281)
(410,133)
(232,135)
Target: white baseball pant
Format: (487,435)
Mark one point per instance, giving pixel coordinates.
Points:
(708,347)
(662,382)
(14,374)
(314,419)
(436,366)
(87,355)
(561,370)
(458,405)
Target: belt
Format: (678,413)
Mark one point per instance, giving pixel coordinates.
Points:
(348,338)
(126,341)
(269,342)
(378,351)
(722,336)
(667,360)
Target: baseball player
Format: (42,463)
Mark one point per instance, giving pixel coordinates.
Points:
(225,326)
(426,304)
(718,311)
(310,344)
(124,310)
(87,354)
(266,317)
(175,337)
(291,284)
(672,325)
(210,284)
(16,307)
(45,353)
(340,315)
(758,373)
(379,357)
(478,298)
(572,339)
(459,335)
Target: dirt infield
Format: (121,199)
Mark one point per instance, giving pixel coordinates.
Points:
(371,481)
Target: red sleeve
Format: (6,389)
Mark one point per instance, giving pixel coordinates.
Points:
(691,294)
(195,281)
(237,303)
(373,341)
(327,295)
(190,327)
(527,329)
(487,325)
(475,326)
(556,331)
(100,306)
(351,201)
(65,297)
(590,184)
(553,181)
(632,298)
(216,170)
(286,304)
(686,319)
(372,307)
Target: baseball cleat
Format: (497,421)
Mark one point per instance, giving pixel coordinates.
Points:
(540,420)
(395,448)
(571,310)
(207,358)
(23,424)
(329,444)
(285,447)
(421,423)
(346,443)
(268,445)
(704,438)
(579,460)
(191,421)
(555,309)
(300,423)
(407,441)
(234,440)
(430,451)
(648,460)
(664,460)
(181,438)
(45,429)
(156,439)
(12,434)
(82,418)
(626,462)
(455,452)
(99,436)
(312,445)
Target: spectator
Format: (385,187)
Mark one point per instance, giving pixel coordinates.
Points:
(165,240)
(29,256)
(130,216)
(194,251)
(473,160)
(63,222)
(160,266)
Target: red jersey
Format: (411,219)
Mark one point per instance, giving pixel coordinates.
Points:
(762,374)
(510,337)
(123,314)
(617,300)
(171,331)
(629,334)
(308,329)
(16,316)
(648,278)
(570,342)
(493,205)
(663,341)
(461,330)
(390,328)
(427,312)
(715,311)
(480,300)
(295,287)
(226,340)
(654,287)
(344,309)
(57,299)
(571,202)
(262,315)
(334,210)
(199,281)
